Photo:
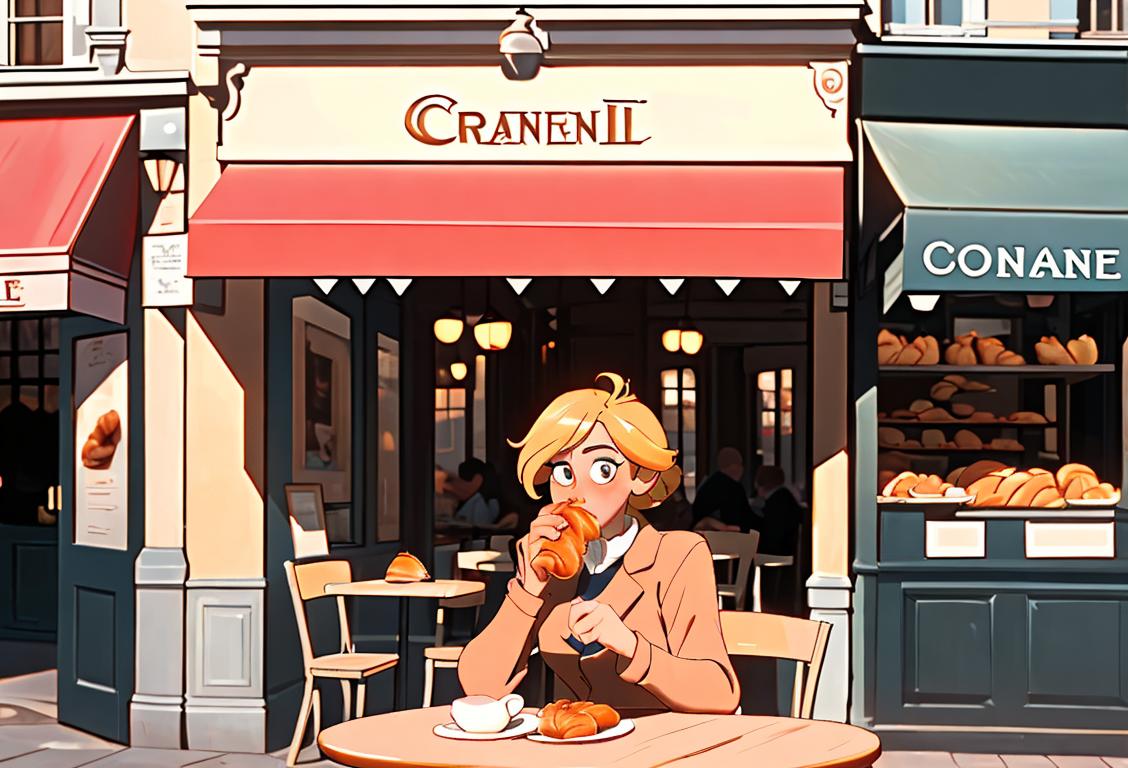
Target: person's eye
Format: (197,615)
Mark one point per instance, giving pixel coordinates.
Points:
(603,471)
(562,474)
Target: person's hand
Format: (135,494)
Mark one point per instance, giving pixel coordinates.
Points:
(547,526)
(594,622)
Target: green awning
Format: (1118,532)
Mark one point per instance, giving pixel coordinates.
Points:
(1004,208)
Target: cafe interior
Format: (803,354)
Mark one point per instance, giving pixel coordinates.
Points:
(470,363)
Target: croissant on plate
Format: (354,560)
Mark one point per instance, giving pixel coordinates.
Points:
(564,719)
(98,450)
(405,568)
(562,557)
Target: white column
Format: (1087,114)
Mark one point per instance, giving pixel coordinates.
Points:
(156,710)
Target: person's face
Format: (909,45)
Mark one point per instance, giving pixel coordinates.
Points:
(735,471)
(597,472)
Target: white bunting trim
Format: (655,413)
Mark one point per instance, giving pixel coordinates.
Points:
(671,284)
(364,284)
(325,283)
(791,286)
(924,302)
(602,284)
(399,284)
(727,285)
(519,284)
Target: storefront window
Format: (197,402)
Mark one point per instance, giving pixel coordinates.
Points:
(774,415)
(35,32)
(388,424)
(29,404)
(450,428)
(679,419)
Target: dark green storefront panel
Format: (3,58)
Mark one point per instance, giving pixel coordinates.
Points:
(973,84)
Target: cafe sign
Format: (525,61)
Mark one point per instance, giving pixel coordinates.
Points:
(1026,252)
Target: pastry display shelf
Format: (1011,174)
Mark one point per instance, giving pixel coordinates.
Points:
(1071,373)
(957,424)
(984,449)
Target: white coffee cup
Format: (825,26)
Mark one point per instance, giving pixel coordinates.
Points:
(485,714)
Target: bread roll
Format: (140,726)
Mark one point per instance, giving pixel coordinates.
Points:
(1067,471)
(989,349)
(992,500)
(942,391)
(904,413)
(920,405)
(931,352)
(1048,497)
(1027,417)
(955,378)
(1005,444)
(890,436)
(984,417)
(1077,484)
(886,337)
(1083,350)
(1050,352)
(911,443)
(1102,492)
(984,486)
(908,355)
(933,438)
(899,486)
(935,414)
(968,439)
(1010,358)
(954,476)
(1024,495)
(963,410)
(1010,485)
(928,485)
(977,470)
(975,386)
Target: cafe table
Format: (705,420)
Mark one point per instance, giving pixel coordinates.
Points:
(486,561)
(436,589)
(668,739)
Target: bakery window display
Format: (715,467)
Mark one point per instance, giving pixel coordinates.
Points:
(1016,412)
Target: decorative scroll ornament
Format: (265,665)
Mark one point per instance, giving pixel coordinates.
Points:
(830,83)
(234,79)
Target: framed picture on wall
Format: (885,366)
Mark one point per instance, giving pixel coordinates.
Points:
(307,519)
(322,399)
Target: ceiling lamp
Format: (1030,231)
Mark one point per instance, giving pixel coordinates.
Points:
(458,371)
(492,332)
(691,341)
(671,340)
(448,328)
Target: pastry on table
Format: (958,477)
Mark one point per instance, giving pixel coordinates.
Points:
(406,568)
(562,557)
(565,719)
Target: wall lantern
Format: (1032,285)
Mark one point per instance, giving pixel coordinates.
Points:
(448,328)
(458,371)
(161,172)
(492,332)
(522,45)
(684,338)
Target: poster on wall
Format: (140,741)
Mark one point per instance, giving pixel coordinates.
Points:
(322,403)
(101,440)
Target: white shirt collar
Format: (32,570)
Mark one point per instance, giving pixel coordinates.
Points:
(603,553)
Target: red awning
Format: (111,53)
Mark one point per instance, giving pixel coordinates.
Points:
(520,220)
(68,214)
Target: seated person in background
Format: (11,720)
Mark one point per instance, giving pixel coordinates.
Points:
(478,492)
(721,503)
(779,533)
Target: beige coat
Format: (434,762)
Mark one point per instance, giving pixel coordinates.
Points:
(665,592)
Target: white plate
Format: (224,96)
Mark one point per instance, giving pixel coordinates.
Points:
(926,499)
(521,725)
(624,727)
(1094,502)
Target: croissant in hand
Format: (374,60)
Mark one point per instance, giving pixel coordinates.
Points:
(562,558)
(564,719)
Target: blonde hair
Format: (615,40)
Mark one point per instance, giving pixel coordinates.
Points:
(634,428)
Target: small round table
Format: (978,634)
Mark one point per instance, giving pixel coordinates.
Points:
(485,561)
(673,739)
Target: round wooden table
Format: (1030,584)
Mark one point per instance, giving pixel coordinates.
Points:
(405,738)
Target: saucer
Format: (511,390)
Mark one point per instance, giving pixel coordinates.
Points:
(622,729)
(522,725)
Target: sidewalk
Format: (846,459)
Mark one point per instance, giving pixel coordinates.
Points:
(30,737)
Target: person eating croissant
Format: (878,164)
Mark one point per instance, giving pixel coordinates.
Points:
(623,614)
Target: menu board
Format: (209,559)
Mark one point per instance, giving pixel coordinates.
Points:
(101,444)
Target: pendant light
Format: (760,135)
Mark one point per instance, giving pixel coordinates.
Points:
(492,331)
(458,370)
(684,337)
(449,325)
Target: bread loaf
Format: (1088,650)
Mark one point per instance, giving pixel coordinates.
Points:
(935,414)
(963,410)
(942,391)
(917,406)
(890,437)
(967,439)
(989,349)
(932,438)
(1083,350)
(1027,417)
(1050,352)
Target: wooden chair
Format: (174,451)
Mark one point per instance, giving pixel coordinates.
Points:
(769,635)
(440,656)
(307,582)
(744,546)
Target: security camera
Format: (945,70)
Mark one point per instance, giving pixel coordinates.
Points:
(522,45)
